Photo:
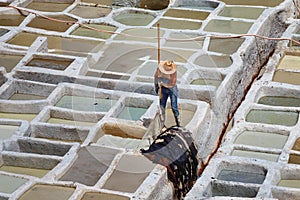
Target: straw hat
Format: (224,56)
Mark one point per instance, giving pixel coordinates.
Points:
(167,67)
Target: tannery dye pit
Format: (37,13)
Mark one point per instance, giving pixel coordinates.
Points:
(79,111)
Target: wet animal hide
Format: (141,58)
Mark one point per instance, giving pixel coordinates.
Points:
(175,149)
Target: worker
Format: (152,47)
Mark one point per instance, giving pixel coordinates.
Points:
(165,85)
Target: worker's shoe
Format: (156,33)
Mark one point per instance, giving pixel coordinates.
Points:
(177,121)
(164,128)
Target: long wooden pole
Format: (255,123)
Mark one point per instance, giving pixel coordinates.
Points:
(158,43)
(158,55)
(159,86)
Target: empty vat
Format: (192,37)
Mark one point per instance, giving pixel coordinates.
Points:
(241,12)
(242,176)
(8,184)
(190,14)
(11,20)
(280,101)
(48,6)
(262,139)
(57,44)
(89,104)
(30,146)
(129,174)
(289,183)
(225,45)
(256,155)
(272,3)
(9,61)
(213,61)
(289,77)
(228,26)
(134,19)
(105,31)
(91,163)
(236,190)
(50,63)
(90,12)
(99,195)
(284,118)
(294,159)
(6,131)
(48,192)
(178,24)
(61,134)
(25,170)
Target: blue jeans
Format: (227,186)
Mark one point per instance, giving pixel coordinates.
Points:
(172,93)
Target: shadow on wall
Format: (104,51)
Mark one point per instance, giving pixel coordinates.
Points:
(2,77)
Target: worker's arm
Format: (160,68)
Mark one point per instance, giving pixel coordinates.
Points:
(156,74)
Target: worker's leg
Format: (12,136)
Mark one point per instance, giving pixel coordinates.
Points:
(163,104)
(174,106)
